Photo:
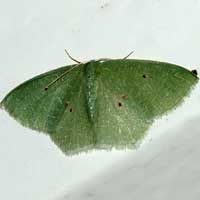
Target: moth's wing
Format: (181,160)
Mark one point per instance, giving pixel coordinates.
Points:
(100,105)
(60,111)
(132,93)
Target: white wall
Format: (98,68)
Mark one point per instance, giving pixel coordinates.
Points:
(34,35)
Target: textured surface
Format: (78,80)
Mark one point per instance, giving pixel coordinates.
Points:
(34,34)
(100,104)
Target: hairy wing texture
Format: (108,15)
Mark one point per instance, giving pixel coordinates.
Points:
(60,111)
(100,104)
(132,94)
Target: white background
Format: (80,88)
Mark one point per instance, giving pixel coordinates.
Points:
(34,35)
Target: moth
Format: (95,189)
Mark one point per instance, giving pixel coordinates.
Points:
(99,104)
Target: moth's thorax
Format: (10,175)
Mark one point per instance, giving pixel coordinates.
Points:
(91,87)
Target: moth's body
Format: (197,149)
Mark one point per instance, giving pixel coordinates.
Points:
(100,104)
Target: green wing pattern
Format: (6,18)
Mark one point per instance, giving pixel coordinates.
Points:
(100,104)
(132,94)
(60,111)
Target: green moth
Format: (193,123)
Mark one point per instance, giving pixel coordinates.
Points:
(99,104)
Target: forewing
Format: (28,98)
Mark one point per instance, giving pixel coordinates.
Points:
(59,111)
(132,93)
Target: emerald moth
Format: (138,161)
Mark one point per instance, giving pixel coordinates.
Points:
(99,104)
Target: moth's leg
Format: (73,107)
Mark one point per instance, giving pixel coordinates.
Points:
(72,57)
(128,55)
(62,75)
(194,71)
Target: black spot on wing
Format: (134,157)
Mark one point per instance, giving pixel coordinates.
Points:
(144,76)
(119,104)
